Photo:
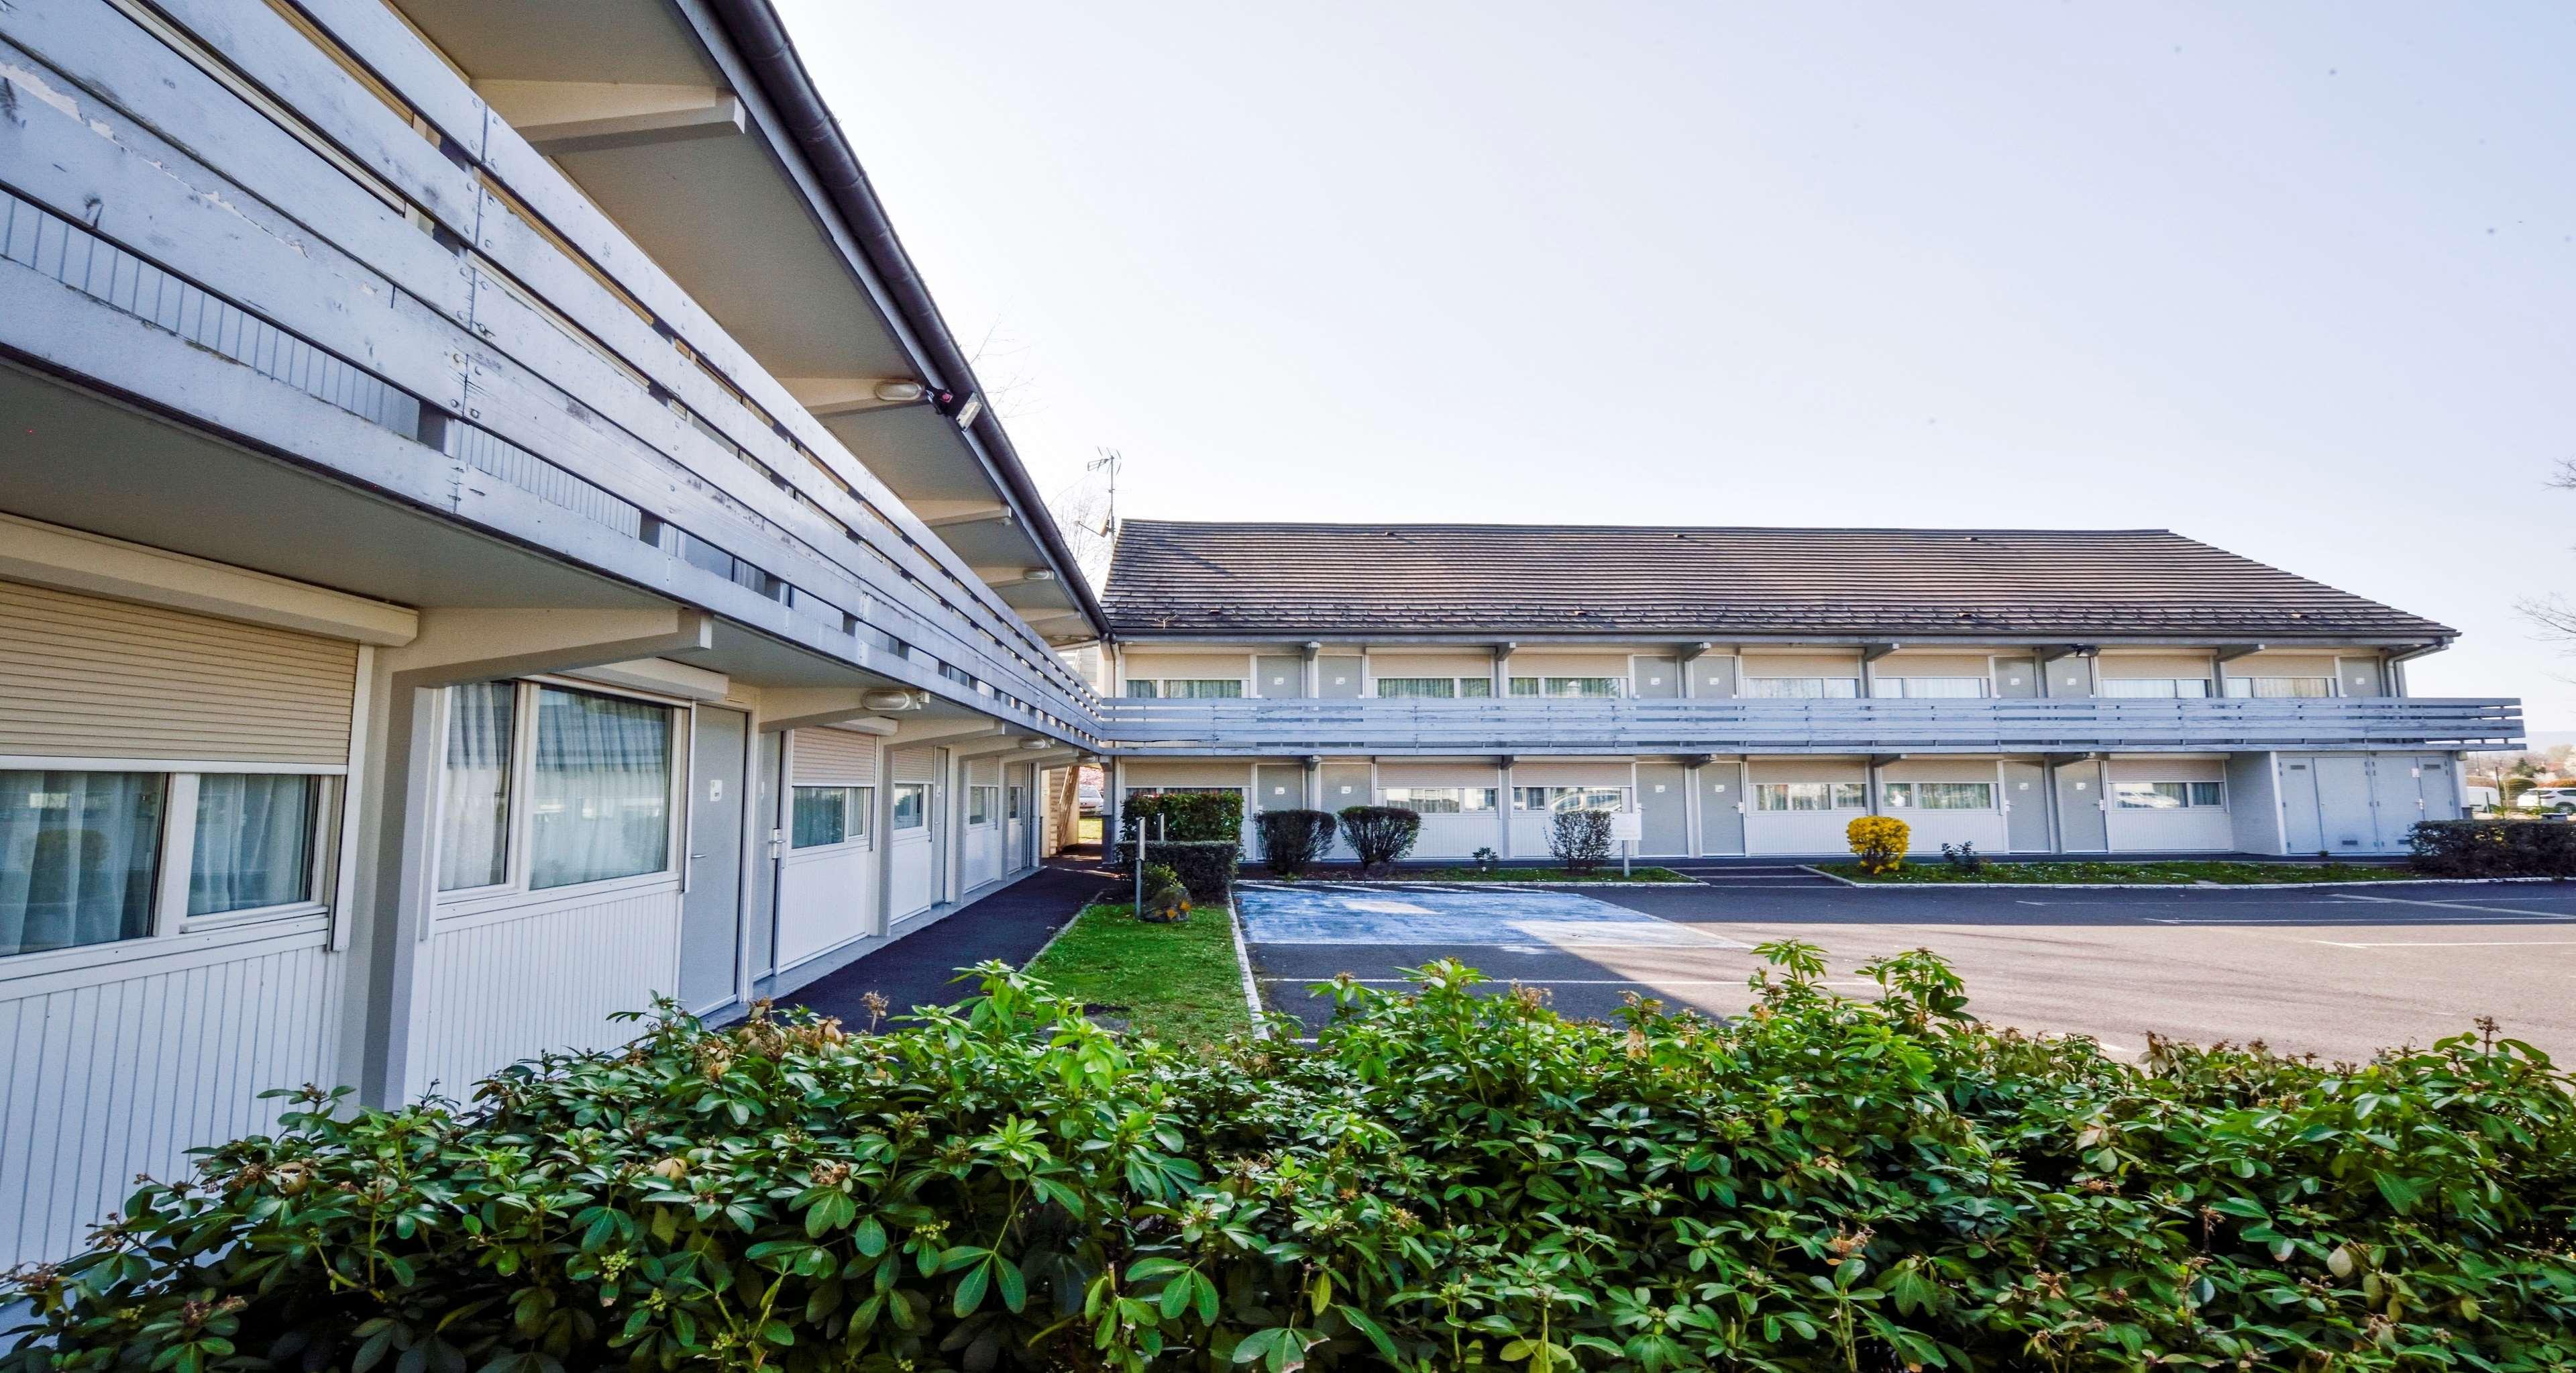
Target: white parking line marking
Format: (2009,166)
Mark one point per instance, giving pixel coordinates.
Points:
(2453,906)
(2447,944)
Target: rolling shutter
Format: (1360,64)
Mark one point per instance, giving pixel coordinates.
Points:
(835,758)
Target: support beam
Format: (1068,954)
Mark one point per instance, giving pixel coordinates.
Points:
(946,514)
(559,117)
(807,707)
(483,645)
(1870,653)
(662,675)
(2228,653)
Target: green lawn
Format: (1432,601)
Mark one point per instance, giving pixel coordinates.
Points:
(1177,983)
(2178,873)
(1601,874)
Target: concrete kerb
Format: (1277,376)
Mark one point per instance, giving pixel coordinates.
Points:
(1451,884)
(1243,966)
(2158,886)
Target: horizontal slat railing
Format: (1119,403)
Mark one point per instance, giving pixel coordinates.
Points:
(1519,725)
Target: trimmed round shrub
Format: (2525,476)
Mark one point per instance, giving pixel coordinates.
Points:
(1879,842)
(1293,841)
(1380,834)
(1446,1178)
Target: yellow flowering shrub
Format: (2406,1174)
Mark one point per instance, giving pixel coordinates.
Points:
(1879,841)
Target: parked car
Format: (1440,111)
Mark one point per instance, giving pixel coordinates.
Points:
(1088,797)
(2562,800)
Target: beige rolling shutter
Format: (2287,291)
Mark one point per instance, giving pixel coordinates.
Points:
(983,772)
(86,677)
(835,758)
(915,764)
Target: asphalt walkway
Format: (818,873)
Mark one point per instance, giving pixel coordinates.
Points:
(1011,924)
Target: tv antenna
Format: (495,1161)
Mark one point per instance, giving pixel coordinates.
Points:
(1110,459)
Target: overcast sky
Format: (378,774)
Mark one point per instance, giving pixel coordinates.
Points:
(2299,280)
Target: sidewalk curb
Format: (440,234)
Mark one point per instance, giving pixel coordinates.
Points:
(1243,965)
(2169,886)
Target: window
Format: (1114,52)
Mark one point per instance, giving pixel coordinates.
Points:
(254,842)
(1441,800)
(911,805)
(2155,686)
(831,815)
(1938,795)
(1185,687)
(982,803)
(1018,798)
(600,799)
(1803,688)
(1476,686)
(79,857)
(1810,796)
(1557,799)
(2167,795)
(2269,687)
(474,804)
(1943,687)
(1438,687)
(1566,686)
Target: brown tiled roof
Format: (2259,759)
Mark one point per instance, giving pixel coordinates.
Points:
(1178,577)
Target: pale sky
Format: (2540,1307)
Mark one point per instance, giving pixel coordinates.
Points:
(2295,279)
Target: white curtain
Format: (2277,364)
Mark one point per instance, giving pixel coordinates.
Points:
(78,855)
(603,789)
(254,843)
(474,818)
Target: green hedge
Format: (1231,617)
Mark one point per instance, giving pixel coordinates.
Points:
(1207,867)
(1443,1180)
(1186,815)
(2494,848)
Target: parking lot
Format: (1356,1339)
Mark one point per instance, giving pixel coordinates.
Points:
(2338,971)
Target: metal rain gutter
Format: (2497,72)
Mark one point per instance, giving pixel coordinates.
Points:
(757,33)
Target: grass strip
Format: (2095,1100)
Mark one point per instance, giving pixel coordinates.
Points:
(1178,983)
(2166,874)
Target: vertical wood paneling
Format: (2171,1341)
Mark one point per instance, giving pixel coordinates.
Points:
(125,1074)
(497,991)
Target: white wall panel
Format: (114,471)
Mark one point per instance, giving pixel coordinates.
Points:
(826,898)
(121,1069)
(500,987)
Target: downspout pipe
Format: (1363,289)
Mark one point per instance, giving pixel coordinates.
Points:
(757,34)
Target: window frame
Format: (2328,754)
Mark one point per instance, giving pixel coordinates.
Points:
(1904,793)
(983,804)
(1521,795)
(894,799)
(168,926)
(1539,687)
(861,834)
(2253,687)
(2173,689)
(1835,792)
(1486,799)
(1744,689)
(1985,688)
(2190,791)
(513,890)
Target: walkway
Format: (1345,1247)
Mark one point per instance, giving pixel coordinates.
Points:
(1011,924)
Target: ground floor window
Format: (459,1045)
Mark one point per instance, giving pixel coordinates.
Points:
(831,815)
(254,842)
(2155,687)
(1566,686)
(982,803)
(2168,795)
(1559,799)
(1803,688)
(2264,688)
(1440,800)
(911,805)
(1810,796)
(600,799)
(1018,802)
(1939,795)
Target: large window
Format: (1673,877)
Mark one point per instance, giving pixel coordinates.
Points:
(831,815)
(1803,688)
(2291,687)
(1810,796)
(1938,795)
(1438,687)
(582,780)
(2155,687)
(601,803)
(1948,688)
(1567,686)
(1440,800)
(79,857)
(1226,687)
(1556,799)
(2168,795)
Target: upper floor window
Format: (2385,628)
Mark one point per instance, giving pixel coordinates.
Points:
(1944,687)
(1803,688)
(1439,687)
(1183,687)
(1810,796)
(1567,686)
(2156,687)
(1440,800)
(1554,799)
(2264,687)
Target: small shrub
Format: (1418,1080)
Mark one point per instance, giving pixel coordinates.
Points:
(1207,867)
(1186,816)
(1963,857)
(1579,840)
(1486,859)
(1879,842)
(1293,841)
(1166,899)
(2493,848)
(1380,834)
